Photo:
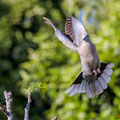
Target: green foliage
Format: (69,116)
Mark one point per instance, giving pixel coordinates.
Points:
(32,58)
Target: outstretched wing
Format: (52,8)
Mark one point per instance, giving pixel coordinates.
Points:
(65,39)
(75,30)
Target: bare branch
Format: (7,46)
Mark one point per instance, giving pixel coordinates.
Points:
(7,110)
(3,109)
(27,108)
(8,100)
(55,118)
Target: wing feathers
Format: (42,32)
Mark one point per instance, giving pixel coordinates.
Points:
(75,30)
(68,27)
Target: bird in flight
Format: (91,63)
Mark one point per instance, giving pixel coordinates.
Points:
(95,75)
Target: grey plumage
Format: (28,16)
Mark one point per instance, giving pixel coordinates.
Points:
(95,75)
(102,83)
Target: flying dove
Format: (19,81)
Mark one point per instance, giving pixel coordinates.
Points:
(95,75)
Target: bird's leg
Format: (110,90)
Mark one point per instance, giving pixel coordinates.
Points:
(95,72)
(98,70)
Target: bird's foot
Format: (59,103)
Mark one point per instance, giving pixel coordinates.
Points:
(98,70)
(95,72)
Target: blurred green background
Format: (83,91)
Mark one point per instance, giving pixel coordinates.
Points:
(32,58)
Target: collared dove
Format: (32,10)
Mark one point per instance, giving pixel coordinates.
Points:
(95,75)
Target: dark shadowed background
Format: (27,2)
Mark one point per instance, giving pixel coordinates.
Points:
(32,58)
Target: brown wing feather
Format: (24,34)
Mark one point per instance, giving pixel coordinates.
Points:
(68,27)
(75,30)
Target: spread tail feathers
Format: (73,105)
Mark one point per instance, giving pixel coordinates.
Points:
(92,86)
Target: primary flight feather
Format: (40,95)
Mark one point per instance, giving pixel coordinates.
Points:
(95,75)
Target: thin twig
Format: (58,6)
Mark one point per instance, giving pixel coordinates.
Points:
(55,118)
(27,108)
(3,109)
(8,100)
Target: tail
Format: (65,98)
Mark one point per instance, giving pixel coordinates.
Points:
(47,21)
(90,85)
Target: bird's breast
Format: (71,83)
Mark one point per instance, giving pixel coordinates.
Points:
(86,49)
(88,55)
